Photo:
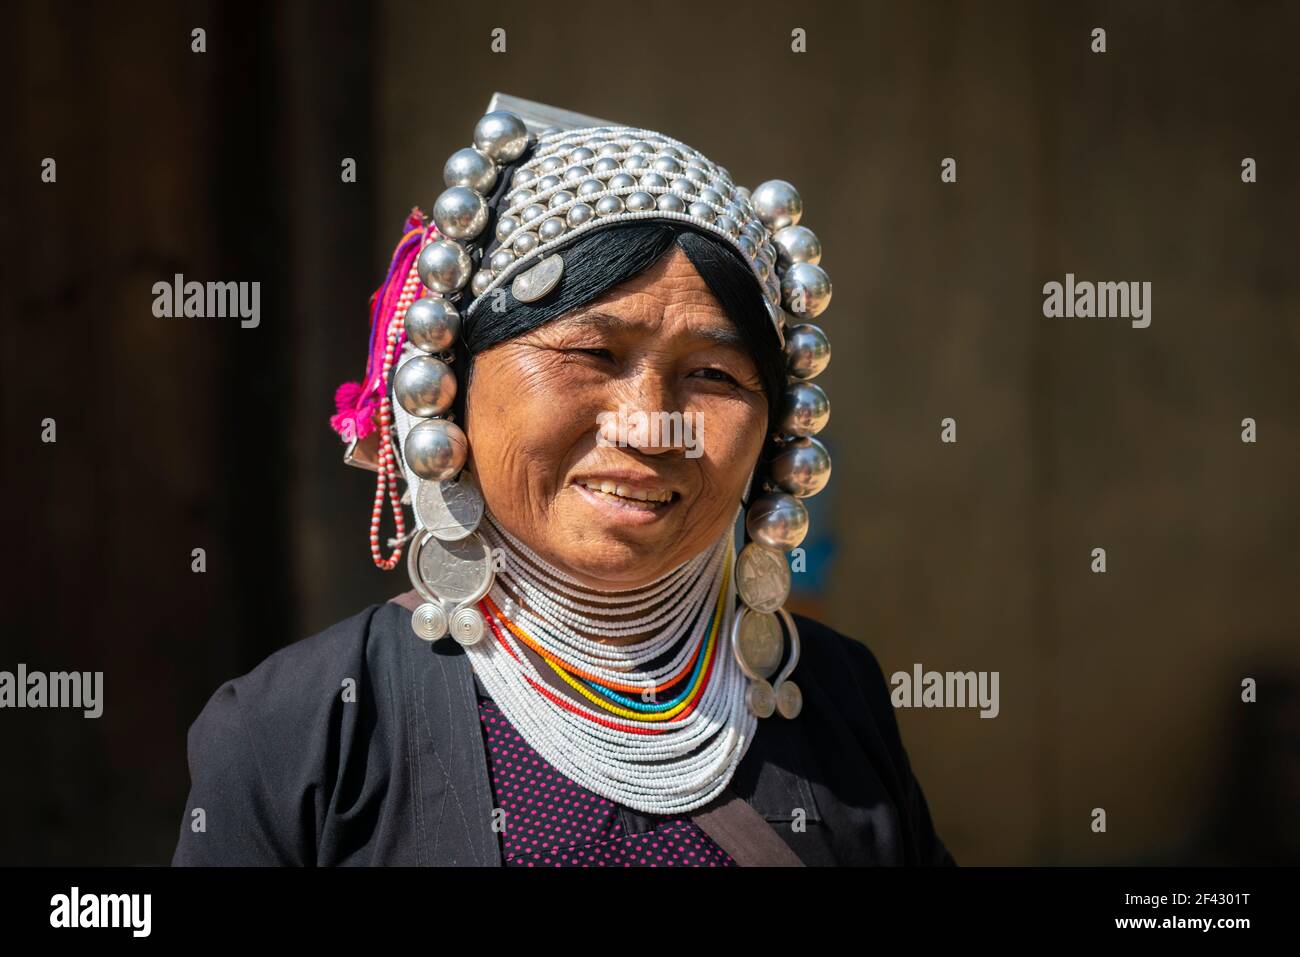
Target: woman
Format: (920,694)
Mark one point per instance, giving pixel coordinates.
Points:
(583,370)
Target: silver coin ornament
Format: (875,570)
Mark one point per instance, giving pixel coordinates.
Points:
(762,578)
(760,644)
(536,282)
(450,509)
(436,449)
(455,572)
(424,386)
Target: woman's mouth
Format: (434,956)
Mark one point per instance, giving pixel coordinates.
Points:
(630,502)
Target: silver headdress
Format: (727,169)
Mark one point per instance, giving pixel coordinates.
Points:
(568,175)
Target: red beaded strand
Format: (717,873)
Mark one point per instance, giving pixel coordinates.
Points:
(387,461)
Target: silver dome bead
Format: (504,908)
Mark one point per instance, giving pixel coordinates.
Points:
(685,187)
(501,135)
(460,213)
(727,225)
(605,167)
(444,266)
(424,386)
(548,181)
(746,246)
(777,203)
(524,244)
(551,164)
(776,520)
(621,181)
(559,198)
(482,279)
(702,211)
(805,409)
(519,197)
(522,177)
(582,154)
(710,195)
(505,226)
(802,468)
(552,228)
(670,203)
(432,324)
(470,168)
(696,175)
(501,259)
(798,244)
(666,164)
(609,149)
(576,174)
(807,287)
(435,449)
(653,181)
(672,151)
(535,211)
(589,186)
(635,163)
(640,202)
(578,214)
(609,205)
(807,351)
(640,146)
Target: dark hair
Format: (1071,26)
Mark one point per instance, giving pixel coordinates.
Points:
(604,258)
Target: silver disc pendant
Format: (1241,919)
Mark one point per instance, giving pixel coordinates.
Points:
(759,644)
(789,699)
(450,509)
(468,626)
(455,573)
(429,621)
(536,281)
(762,578)
(760,699)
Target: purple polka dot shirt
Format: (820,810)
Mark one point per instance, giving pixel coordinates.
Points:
(550,821)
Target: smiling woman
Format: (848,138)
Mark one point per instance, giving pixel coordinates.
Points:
(587,671)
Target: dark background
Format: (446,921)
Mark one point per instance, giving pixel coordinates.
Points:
(1119,691)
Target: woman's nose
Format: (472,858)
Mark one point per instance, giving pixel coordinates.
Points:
(646,417)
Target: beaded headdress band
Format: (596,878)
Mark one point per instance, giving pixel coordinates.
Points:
(535,179)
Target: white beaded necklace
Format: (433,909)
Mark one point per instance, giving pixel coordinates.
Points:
(690,760)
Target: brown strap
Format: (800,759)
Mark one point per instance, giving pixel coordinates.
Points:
(743,833)
(410,600)
(731,823)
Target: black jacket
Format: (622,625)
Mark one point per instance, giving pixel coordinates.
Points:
(288,772)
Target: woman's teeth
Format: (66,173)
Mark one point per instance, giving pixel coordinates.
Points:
(624,492)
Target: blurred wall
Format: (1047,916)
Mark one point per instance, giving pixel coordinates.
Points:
(1118,691)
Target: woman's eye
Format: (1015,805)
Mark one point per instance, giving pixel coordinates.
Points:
(717,375)
(597,353)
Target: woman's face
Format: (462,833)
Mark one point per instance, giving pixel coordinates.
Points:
(616,441)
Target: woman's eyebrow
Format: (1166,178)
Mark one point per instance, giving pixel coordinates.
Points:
(724,335)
